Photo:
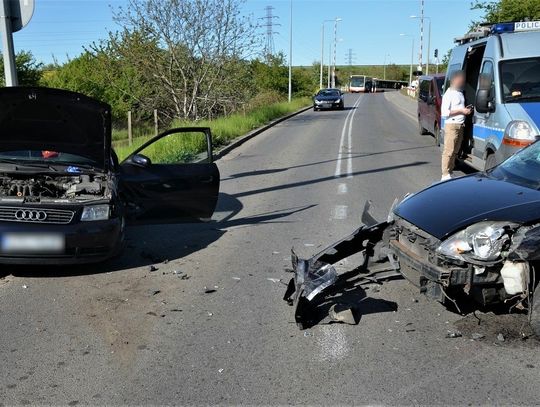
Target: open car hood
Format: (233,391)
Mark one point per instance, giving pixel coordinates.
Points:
(33,118)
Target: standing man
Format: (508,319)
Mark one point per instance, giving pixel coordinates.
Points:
(453,110)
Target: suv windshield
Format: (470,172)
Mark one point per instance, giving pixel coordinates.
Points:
(521,80)
(522,168)
(42,156)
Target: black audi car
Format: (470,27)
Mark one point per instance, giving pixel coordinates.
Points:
(329,99)
(475,237)
(64,196)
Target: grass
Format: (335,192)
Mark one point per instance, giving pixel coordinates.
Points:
(183,148)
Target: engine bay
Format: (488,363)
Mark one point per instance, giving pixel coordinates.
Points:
(39,188)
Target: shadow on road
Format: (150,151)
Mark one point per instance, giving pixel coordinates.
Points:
(150,244)
(329,178)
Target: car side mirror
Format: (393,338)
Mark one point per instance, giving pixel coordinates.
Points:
(140,160)
(484,98)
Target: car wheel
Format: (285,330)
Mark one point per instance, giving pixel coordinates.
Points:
(491,161)
(315,109)
(421,129)
(437,135)
(535,312)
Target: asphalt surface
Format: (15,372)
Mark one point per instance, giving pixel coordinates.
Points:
(209,325)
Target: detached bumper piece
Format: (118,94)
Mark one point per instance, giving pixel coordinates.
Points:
(315,280)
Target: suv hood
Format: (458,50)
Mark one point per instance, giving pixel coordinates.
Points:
(448,207)
(33,118)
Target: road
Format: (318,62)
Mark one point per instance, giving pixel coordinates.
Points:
(209,325)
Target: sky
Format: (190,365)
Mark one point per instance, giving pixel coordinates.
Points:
(60,29)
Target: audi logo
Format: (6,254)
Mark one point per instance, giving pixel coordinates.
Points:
(30,215)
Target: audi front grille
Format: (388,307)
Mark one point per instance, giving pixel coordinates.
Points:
(36,215)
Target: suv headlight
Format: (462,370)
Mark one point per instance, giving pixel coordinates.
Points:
(519,130)
(337,101)
(482,241)
(95,212)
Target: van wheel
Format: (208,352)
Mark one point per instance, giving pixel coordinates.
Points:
(421,129)
(437,135)
(491,161)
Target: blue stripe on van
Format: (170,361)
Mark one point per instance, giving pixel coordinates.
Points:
(533,110)
(483,132)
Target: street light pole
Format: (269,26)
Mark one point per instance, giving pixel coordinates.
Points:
(322,56)
(6,32)
(412,57)
(290,53)
(429,39)
(337,19)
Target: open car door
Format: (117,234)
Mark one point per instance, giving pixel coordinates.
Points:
(171,178)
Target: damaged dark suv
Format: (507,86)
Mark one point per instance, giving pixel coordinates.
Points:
(477,236)
(65,198)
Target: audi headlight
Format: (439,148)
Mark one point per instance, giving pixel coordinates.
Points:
(317,101)
(482,241)
(337,101)
(519,130)
(95,212)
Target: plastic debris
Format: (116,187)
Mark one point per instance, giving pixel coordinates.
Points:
(306,334)
(274,280)
(210,314)
(220,370)
(24,286)
(454,334)
(236,278)
(500,337)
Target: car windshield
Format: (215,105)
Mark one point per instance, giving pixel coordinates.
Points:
(521,80)
(522,168)
(328,92)
(43,156)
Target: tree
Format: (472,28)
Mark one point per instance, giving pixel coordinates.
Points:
(29,71)
(192,50)
(508,10)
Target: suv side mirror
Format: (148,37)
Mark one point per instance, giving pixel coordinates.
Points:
(484,98)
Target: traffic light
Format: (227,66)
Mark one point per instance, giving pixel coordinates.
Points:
(436,53)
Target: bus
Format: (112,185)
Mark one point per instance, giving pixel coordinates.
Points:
(357,83)
(381,84)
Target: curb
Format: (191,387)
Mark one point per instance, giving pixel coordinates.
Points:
(242,139)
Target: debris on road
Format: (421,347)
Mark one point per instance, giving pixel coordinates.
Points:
(500,337)
(209,290)
(152,268)
(477,336)
(24,286)
(274,280)
(342,313)
(454,334)
(220,370)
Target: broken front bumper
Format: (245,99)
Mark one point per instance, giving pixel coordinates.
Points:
(317,274)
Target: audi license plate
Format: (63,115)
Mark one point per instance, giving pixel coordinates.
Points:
(33,243)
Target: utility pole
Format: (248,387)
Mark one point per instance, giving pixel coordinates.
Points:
(290,52)
(335,52)
(420,54)
(322,56)
(349,57)
(6,32)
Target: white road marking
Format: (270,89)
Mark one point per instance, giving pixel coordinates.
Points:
(342,189)
(340,212)
(337,173)
(349,139)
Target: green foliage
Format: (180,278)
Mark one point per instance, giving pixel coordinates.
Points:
(508,10)
(29,71)
(224,130)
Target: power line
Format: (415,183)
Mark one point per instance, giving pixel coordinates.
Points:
(350,57)
(269,24)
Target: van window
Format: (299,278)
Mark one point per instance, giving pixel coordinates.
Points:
(440,84)
(424,90)
(521,80)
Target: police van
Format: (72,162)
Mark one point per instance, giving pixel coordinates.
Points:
(502,67)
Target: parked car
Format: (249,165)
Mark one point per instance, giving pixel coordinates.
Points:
(429,105)
(65,198)
(329,99)
(476,237)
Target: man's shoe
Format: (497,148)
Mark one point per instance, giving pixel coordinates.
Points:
(446,177)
